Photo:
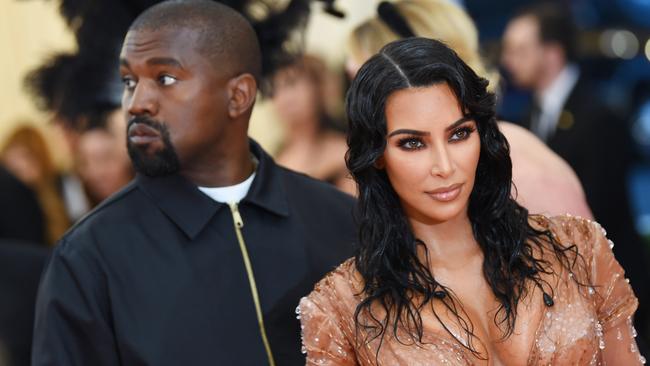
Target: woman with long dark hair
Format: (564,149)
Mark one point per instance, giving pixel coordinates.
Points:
(449,268)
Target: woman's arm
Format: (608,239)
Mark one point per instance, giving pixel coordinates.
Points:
(323,338)
(615,303)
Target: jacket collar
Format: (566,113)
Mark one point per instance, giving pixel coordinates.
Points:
(267,190)
(183,203)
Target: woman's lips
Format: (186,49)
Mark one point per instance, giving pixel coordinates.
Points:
(445,194)
(142,134)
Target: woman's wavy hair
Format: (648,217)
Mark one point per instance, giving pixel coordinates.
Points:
(395,279)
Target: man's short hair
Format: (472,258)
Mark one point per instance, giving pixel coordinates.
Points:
(555,25)
(224,34)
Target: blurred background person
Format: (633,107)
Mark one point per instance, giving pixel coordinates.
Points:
(315,142)
(21,216)
(539,53)
(85,105)
(436,19)
(21,264)
(102,163)
(27,156)
(536,170)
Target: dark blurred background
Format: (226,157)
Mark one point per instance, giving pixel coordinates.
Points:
(613,51)
(62,143)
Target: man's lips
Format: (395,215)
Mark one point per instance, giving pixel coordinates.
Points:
(445,194)
(140,133)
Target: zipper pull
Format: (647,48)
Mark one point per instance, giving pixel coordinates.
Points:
(236,216)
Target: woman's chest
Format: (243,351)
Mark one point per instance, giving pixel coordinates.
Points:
(570,332)
(566,332)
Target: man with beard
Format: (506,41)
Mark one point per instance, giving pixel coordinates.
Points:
(203,257)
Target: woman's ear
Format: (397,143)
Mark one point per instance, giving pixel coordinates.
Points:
(380,163)
(242,92)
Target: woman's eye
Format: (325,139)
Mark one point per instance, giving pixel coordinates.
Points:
(461,134)
(167,80)
(129,83)
(411,144)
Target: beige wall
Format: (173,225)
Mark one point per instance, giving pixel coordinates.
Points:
(333,46)
(29,32)
(32,30)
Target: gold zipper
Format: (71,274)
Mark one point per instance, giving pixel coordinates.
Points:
(239,223)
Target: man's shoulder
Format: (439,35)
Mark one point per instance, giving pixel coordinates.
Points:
(109,215)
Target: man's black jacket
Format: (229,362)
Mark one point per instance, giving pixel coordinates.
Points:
(155,276)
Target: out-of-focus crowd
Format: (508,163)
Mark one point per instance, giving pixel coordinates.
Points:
(540,58)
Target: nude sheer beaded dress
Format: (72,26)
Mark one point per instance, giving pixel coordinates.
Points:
(584,325)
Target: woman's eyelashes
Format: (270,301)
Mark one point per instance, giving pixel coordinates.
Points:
(462,133)
(411,143)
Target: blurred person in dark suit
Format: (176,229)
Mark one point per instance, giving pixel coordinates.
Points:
(21,264)
(21,216)
(22,256)
(539,52)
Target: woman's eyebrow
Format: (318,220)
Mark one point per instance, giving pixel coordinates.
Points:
(408,132)
(459,122)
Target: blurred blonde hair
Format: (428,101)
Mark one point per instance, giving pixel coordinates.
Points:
(33,141)
(46,189)
(437,19)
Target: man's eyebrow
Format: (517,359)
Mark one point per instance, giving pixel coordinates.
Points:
(459,122)
(408,132)
(164,61)
(156,61)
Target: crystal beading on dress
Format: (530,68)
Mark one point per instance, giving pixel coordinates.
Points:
(581,328)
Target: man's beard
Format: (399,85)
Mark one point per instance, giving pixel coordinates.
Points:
(163,162)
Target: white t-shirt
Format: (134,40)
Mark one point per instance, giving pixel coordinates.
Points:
(229,194)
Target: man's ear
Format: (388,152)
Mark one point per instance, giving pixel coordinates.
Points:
(242,92)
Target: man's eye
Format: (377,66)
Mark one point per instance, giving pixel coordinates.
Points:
(167,80)
(129,83)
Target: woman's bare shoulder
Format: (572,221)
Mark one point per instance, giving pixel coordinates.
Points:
(336,294)
(571,231)
(343,280)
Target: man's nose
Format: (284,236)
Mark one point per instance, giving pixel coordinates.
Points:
(143,100)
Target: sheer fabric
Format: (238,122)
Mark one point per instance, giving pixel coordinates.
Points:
(587,325)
